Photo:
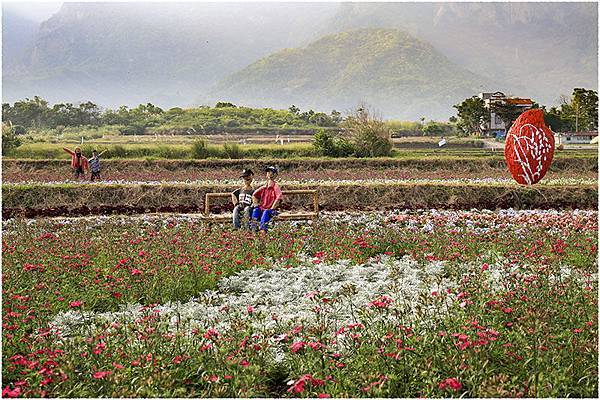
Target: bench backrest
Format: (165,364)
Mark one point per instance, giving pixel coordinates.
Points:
(314,193)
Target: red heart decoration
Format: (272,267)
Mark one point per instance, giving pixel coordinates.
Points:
(529,147)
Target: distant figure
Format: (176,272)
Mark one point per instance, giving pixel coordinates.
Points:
(288,138)
(79,163)
(277,138)
(242,199)
(95,165)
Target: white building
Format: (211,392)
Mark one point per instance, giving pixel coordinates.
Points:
(495,126)
(574,137)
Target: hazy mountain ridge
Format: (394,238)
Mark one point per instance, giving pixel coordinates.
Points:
(164,53)
(529,46)
(388,69)
(18,35)
(172,54)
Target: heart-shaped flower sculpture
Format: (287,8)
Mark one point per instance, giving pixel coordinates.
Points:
(529,147)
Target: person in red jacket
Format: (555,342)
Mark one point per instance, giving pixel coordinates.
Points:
(79,163)
(266,199)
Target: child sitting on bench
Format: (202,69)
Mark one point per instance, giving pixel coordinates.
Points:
(266,199)
(242,199)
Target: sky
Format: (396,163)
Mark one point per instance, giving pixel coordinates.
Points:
(34,11)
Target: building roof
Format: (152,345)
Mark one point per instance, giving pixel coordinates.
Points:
(518,101)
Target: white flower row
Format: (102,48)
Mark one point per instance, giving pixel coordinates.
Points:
(284,182)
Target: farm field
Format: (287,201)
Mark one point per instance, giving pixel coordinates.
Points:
(432,303)
(394,291)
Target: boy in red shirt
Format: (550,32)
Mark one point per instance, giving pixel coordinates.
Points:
(266,199)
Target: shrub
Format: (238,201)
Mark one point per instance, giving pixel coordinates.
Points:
(118,151)
(233,150)
(19,130)
(327,144)
(9,139)
(369,134)
(134,129)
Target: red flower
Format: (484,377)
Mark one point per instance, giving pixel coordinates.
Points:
(101,374)
(74,304)
(323,395)
(451,383)
(213,378)
(297,346)
(381,302)
(136,271)
(6,392)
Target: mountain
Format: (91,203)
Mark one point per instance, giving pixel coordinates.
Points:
(166,53)
(18,35)
(540,50)
(388,69)
(173,54)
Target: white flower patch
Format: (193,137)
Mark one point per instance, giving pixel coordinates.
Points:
(280,297)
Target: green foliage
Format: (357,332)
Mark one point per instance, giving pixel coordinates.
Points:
(9,139)
(19,130)
(576,113)
(329,145)
(224,104)
(508,113)
(36,114)
(368,134)
(200,149)
(471,115)
(233,150)
(135,129)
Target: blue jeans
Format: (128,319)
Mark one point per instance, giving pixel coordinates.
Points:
(263,216)
(241,211)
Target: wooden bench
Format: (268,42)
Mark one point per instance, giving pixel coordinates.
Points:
(285,215)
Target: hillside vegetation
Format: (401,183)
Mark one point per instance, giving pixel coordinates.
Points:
(389,69)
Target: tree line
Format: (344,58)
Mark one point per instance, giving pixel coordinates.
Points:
(37,113)
(577,113)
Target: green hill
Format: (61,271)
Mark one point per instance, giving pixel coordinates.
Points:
(388,69)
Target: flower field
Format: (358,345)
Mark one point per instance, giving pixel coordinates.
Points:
(583,166)
(435,303)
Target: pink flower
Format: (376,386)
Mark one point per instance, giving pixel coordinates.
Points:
(117,365)
(250,309)
(6,392)
(323,395)
(451,383)
(507,310)
(101,374)
(485,267)
(136,271)
(381,302)
(213,378)
(297,346)
(75,304)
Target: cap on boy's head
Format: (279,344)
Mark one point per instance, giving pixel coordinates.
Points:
(272,169)
(246,172)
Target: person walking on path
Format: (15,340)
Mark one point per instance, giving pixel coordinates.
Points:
(242,199)
(95,165)
(79,164)
(266,199)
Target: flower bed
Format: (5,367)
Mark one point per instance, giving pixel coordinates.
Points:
(79,198)
(434,303)
(346,169)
